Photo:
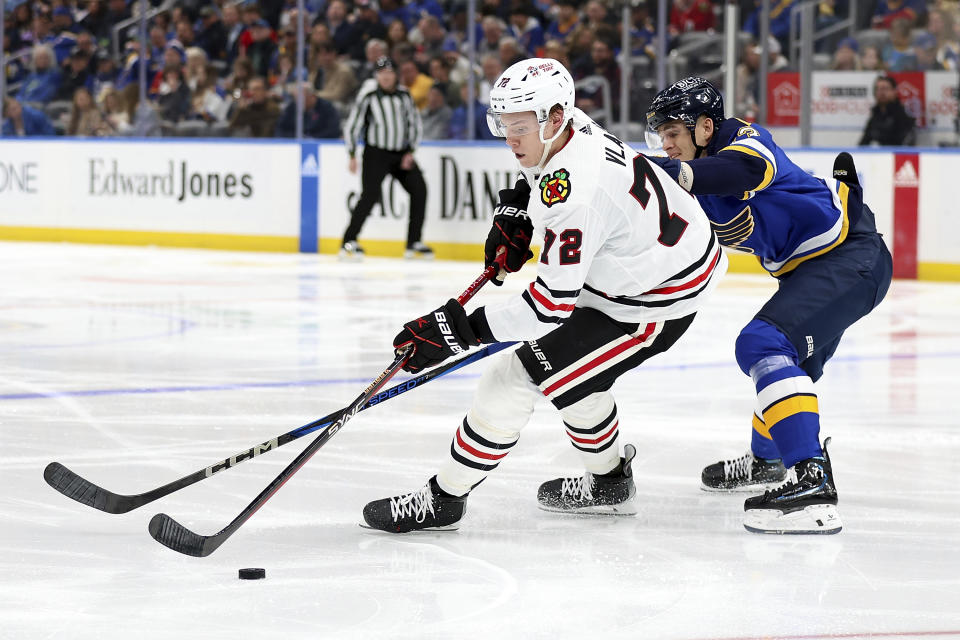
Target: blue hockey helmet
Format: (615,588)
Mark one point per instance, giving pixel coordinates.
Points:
(686,100)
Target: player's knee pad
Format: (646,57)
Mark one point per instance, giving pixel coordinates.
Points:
(505,397)
(760,340)
(589,411)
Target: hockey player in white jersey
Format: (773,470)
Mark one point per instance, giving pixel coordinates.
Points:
(627,259)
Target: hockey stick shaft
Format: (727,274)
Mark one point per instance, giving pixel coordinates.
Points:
(175,536)
(85,492)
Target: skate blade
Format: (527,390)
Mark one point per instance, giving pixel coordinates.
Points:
(746,488)
(628,508)
(449,527)
(823,519)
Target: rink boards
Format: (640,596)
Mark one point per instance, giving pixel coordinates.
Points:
(284,196)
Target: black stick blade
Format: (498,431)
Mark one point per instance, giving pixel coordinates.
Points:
(174,535)
(83,491)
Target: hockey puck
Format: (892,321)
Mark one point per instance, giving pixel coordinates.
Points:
(253,574)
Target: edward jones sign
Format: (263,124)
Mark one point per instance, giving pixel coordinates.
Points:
(176,180)
(170,186)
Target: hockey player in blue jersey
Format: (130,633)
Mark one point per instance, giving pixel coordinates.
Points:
(819,239)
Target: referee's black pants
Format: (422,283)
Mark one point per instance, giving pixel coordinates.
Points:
(377,163)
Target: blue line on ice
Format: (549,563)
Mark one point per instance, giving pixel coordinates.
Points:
(338,381)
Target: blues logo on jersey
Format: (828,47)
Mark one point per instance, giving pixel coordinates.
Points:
(787,216)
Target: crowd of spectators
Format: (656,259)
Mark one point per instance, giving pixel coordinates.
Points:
(900,35)
(229,68)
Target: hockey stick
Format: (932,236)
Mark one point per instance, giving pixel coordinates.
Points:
(174,535)
(85,492)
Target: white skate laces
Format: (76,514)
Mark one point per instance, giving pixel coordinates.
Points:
(789,479)
(416,504)
(741,467)
(579,488)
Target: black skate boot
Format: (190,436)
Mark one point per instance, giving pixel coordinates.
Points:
(806,503)
(746,473)
(609,494)
(429,508)
(418,250)
(350,251)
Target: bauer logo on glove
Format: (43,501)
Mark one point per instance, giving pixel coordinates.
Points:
(508,242)
(452,344)
(511,212)
(436,336)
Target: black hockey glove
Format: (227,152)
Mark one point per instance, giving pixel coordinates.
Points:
(511,230)
(436,336)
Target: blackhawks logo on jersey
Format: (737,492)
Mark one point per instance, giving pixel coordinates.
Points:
(556,188)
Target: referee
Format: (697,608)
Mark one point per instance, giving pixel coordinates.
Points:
(389,123)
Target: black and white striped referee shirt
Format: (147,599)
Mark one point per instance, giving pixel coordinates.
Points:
(384,120)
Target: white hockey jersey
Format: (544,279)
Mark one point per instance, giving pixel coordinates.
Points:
(619,236)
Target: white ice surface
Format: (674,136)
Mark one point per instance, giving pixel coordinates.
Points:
(138,366)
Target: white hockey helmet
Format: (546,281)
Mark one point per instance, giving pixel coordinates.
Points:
(534,84)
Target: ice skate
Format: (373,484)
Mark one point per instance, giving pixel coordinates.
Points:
(610,494)
(350,252)
(746,473)
(806,503)
(428,509)
(418,250)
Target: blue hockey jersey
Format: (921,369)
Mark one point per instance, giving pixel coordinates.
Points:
(760,202)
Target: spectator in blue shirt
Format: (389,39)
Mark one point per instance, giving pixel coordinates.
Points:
(24,120)
(64,30)
(63,20)
(130,73)
(417,9)
(341,29)
(42,28)
(433,36)
(899,55)
(458,121)
(105,74)
(779,21)
(525,27)
(42,84)
(391,10)
(565,22)
(457,29)
(320,117)
(157,37)
(889,10)
(925,48)
(642,32)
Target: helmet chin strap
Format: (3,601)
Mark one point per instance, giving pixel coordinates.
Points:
(698,149)
(532,174)
(547,143)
